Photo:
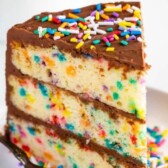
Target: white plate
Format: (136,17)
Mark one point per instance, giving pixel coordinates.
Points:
(157,116)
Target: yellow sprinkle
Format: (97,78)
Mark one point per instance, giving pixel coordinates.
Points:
(104,16)
(66,113)
(137,14)
(116,37)
(30,98)
(97,15)
(110,49)
(127,36)
(59,34)
(165,133)
(73,16)
(63,25)
(128,24)
(83,27)
(79,45)
(85,37)
(74,40)
(127,6)
(113,9)
(92,47)
(50,19)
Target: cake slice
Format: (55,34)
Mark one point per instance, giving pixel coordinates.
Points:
(76,87)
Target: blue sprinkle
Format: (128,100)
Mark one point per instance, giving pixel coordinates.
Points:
(69,127)
(61,57)
(51,31)
(76,10)
(68,20)
(22,92)
(124,33)
(36,58)
(60,166)
(121,28)
(31,130)
(12,127)
(43,89)
(98,7)
(136,32)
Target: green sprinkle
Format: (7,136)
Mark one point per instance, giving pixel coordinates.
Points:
(75,165)
(81,19)
(108,44)
(66,33)
(36,32)
(22,92)
(139,22)
(41,164)
(110,29)
(47,106)
(124,43)
(119,85)
(112,132)
(37,17)
(115,96)
(95,42)
(44,19)
(36,58)
(132,81)
(44,32)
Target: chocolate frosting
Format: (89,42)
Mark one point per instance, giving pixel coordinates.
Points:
(128,161)
(130,57)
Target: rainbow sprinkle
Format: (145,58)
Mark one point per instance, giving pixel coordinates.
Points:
(156,139)
(129,28)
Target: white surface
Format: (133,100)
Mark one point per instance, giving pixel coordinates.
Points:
(155,23)
(157,115)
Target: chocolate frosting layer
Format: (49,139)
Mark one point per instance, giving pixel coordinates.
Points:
(128,161)
(130,57)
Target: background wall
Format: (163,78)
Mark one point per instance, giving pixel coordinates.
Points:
(155,14)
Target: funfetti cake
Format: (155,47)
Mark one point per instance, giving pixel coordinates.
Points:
(76,88)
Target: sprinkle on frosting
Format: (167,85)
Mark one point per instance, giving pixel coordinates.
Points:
(84,28)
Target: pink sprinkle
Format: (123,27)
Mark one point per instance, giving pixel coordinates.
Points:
(110,36)
(93,13)
(142,81)
(111,39)
(80,35)
(105,39)
(161,143)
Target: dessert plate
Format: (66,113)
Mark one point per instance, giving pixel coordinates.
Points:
(157,116)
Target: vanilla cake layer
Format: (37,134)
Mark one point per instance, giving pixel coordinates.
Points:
(58,107)
(46,146)
(84,74)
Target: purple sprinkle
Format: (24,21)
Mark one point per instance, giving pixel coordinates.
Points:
(101,12)
(93,13)
(110,20)
(54,54)
(131,38)
(105,88)
(115,14)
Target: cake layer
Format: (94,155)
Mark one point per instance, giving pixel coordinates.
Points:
(92,77)
(70,112)
(47,147)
